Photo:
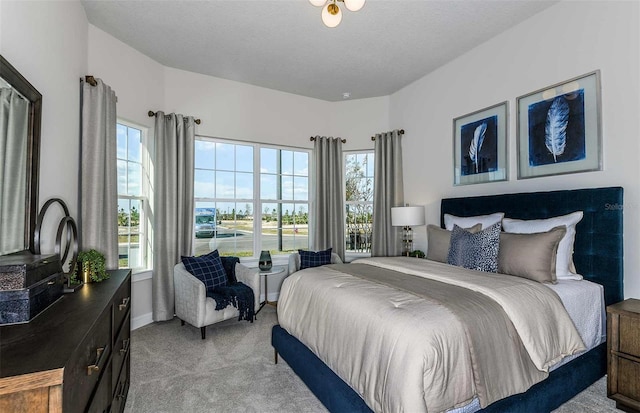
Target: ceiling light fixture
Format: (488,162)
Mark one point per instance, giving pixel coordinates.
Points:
(331,13)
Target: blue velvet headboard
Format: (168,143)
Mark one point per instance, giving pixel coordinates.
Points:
(598,249)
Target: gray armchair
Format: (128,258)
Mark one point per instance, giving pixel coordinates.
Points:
(194,307)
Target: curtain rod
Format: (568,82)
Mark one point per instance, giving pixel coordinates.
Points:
(313,138)
(401,132)
(152,114)
(91,80)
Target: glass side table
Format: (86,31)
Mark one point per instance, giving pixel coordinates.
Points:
(273,271)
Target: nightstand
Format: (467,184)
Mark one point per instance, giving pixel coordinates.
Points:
(623,354)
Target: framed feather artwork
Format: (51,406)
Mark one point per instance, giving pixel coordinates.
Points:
(480,146)
(559,128)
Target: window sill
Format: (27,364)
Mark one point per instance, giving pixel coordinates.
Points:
(141,275)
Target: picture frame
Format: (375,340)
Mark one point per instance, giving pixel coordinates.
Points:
(560,129)
(480,146)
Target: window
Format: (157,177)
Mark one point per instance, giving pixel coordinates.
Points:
(243,189)
(359,178)
(133,189)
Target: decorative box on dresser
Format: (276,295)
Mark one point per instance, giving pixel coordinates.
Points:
(623,363)
(72,357)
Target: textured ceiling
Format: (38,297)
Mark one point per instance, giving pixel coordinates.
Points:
(283,44)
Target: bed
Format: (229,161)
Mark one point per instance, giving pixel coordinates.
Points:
(598,257)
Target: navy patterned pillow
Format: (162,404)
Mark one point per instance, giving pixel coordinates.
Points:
(477,251)
(207,268)
(309,259)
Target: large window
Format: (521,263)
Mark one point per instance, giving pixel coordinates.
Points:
(243,189)
(359,178)
(133,191)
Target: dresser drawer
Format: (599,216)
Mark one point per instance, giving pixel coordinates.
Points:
(101,400)
(88,364)
(629,335)
(121,305)
(121,389)
(121,349)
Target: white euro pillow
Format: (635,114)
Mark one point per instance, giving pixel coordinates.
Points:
(468,222)
(565,270)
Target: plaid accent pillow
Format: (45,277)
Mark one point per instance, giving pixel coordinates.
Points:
(207,268)
(310,259)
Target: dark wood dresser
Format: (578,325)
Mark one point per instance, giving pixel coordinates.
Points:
(623,363)
(72,357)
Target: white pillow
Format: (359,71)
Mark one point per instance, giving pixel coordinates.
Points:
(468,222)
(565,270)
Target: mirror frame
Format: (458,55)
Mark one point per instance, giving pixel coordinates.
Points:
(18,82)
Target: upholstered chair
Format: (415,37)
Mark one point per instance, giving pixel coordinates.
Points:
(194,307)
(294,261)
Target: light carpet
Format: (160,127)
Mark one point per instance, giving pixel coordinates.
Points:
(232,370)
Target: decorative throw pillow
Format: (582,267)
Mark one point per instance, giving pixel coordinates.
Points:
(309,259)
(207,268)
(531,256)
(468,222)
(565,269)
(438,241)
(477,251)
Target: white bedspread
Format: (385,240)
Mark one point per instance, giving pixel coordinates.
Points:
(405,353)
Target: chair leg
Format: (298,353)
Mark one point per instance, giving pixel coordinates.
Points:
(203,331)
(181,322)
(275,356)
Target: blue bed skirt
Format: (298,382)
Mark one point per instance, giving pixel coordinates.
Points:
(338,397)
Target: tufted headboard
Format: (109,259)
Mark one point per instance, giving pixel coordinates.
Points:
(598,248)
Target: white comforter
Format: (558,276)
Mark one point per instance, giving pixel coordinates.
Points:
(402,352)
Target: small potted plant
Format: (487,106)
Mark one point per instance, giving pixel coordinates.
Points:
(91,266)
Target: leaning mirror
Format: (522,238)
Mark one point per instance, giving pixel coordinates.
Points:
(20,111)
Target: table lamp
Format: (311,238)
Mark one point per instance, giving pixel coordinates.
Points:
(406,217)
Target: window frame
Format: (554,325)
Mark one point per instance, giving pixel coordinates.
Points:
(351,253)
(257,202)
(145,226)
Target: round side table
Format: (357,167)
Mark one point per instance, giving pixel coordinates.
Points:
(266,274)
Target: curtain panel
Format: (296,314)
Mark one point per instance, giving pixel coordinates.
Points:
(173,205)
(387,192)
(328,216)
(14,121)
(98,226)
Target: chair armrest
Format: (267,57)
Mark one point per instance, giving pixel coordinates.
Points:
(335,258)
(190,296)
(294,262)
(250,277)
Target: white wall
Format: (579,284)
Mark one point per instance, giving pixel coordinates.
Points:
(562,42)
(47,42)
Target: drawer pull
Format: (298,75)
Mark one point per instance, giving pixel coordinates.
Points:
(125,346)
(123,390)
(125,303)
(100,351)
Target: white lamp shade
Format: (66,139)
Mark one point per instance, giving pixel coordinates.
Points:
(353,5)
(407,216)
(318,3)
(331,20)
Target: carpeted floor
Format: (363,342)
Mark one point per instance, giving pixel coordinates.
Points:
(174,370)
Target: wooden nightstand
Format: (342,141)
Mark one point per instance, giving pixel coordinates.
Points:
(623,354)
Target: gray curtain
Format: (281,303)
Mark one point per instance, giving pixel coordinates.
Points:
(387,192)
(14,123)
(328,215)
(173,205)
(98,226)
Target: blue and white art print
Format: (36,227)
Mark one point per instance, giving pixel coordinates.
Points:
(479,149)
(556,130)
(480,146)
(559,128)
